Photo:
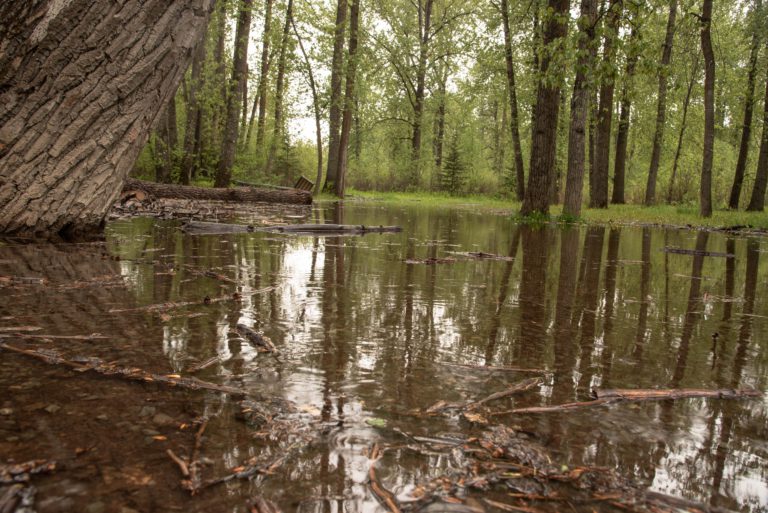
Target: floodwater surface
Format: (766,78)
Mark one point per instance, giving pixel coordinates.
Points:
(373,332)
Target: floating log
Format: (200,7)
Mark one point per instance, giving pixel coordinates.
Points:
(128,373)
(236,194)
(202,228)
(698,252)
(257,338)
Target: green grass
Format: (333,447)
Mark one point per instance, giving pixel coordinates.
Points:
(663,215)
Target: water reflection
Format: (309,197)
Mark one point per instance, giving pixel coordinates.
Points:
(366,336)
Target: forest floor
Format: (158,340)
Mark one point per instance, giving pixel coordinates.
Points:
(686,216)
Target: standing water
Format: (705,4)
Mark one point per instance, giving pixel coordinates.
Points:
(384,342)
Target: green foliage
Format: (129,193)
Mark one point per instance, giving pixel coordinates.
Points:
(453,174)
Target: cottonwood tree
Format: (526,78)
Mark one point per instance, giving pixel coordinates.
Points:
(81,86)
(705,194)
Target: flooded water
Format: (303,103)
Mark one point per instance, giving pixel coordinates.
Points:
(372,331)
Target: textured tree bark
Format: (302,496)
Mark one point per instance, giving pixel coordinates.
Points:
(661,112)
(235,194)
(598,177)
(757,201)
(574,181)
(749,100)
(263,78)
(705,194)
(277,130)
(349,97)
(192,129)
(81,85)
(234,96)
(514,123)
(622,134)
(546,113)
(334,114)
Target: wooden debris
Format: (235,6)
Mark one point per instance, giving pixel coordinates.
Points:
(493,368)
(203,228)
(384,496)
(522,386)
(429,261)
(21,472)
(480,255)
(179,462)
(150,190)
(557,407)
(697,252)
(257,338)
(262,505)
(194,483)
(129,373)
(210,274)
(204,364)
(509,507)
(679,393)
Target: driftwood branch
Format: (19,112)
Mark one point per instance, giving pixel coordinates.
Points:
(384,496)
(698,252)
(522,386)
(127,373)
(257,338)
(203,228)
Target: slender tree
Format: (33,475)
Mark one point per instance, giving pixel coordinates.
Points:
(335,110)
(622,133)
(261,95)
(705,196)
(425,24)
(678,150)
(598,177)
(168,139)
(546,112)
(315,109)
(757,201)
(661,111)
(234,96)
(574,181)
(192,125)
(277,129)
(349,97)
(514,123)
(749,101)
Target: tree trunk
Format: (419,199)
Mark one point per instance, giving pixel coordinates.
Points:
(622,134)
(316,109)
(514,122)
(749,100)
(709,110)
(425,25)
(192,129)
(236,194)
(169,139)
(75,111)
(349,97)
(546,113)
(263,79)
(757,201)
(234,96)
(598,177)
(277,130)
(334,114)
(678,150)
(574,182)
(440,122)
(661,112)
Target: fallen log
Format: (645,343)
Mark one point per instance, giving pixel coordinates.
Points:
(142,189)
(129,373)
(698,252)
(203,228)
(257,338)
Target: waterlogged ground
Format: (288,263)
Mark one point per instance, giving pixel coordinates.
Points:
(372,332)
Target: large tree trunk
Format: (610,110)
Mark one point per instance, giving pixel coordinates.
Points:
(514,122)
(425,25)
(263,78)
(316,109)
(705,195)
(277,130)
(622,135)
(349,97)
(546,113)
(574,182)
(679,149)
(598,177)
(757,201)
(236,194)
(749,100)
(661,112)
(192,130)
(75,111)
(234,96)
(334,113)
